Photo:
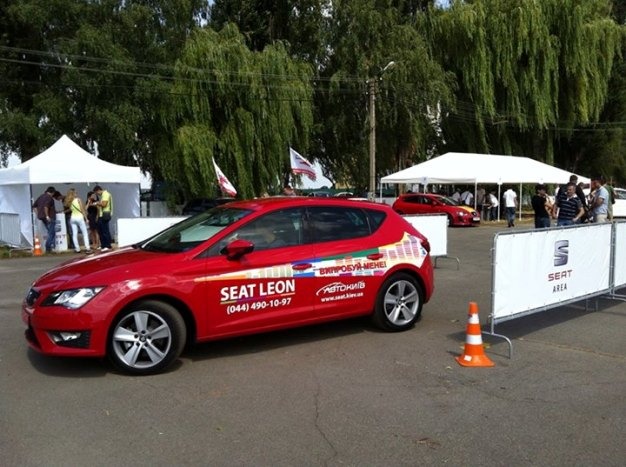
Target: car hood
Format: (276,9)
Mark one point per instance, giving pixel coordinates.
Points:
(467,208)
(100,269)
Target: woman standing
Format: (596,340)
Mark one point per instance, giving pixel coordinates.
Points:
(77,220)
(92,219)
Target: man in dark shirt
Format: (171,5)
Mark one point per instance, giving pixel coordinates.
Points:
(46,213)
(562,193)
(570,209)
(542,207)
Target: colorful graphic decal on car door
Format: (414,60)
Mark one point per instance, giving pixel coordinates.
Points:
(339,276)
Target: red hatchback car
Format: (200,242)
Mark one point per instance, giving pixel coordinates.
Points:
(427,203)
(239,268)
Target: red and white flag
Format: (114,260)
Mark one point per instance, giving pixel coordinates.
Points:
(224,183)
(299,165)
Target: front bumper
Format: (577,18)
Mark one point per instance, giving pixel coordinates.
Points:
(60,332)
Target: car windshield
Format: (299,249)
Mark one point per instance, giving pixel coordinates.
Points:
(446,200)
(194,230)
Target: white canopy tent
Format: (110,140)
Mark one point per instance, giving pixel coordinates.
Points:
(469,168)
(66,165)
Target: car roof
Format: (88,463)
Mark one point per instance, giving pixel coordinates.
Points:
(278,202)
(429,195)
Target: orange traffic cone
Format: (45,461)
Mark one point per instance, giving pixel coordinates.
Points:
(474,353)
(37,251)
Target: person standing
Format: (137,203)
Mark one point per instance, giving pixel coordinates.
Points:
(105,211)
(600,206)
(493,206)
(77,220)
(92,219)
(467,198)
(542,206)
(456,196)
(569,210)
(481,201)
(46,213)
(67,211)
(561,194)
(510,203)
(611,200)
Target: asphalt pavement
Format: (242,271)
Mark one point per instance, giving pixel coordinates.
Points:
(335,394)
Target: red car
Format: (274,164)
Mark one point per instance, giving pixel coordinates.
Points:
(239,268)
(427,203)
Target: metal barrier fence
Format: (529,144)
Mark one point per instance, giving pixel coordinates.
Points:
(536,270)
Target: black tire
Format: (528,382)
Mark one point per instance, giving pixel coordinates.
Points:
(450,220)
(146,338)
(399,303)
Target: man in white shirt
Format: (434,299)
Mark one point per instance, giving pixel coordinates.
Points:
(510,203)
(467,198)
(493,206)
(600,204)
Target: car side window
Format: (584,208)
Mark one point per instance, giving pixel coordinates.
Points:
(376,219)
(337,223)
(273,230)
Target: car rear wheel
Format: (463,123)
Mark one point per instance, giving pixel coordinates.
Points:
(399,303)
(147,338)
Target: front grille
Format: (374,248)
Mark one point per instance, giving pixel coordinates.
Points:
(32,296)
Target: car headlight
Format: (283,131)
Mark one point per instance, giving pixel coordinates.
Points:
(72,299)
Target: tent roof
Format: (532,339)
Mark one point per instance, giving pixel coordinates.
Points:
(458,167)
(66,162)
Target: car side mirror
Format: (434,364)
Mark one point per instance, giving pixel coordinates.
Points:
(237,248)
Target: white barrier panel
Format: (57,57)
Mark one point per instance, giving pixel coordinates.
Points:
(538,269)
(130,231)
(10,232)
(619,277)
(60,237)
(435,229)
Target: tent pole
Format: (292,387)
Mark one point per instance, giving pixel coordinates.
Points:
(499,199)
(520,202)
(475,192)
(32,220)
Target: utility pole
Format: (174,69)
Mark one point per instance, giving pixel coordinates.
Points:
(372,89)
(372,103)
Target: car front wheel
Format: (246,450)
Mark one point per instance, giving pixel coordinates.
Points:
(399,303)
(146,338)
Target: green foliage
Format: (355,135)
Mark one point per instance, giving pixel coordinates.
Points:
(240,107)
(529,72)
(154,83)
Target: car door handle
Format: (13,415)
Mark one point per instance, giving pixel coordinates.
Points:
(301,266)
(375,256)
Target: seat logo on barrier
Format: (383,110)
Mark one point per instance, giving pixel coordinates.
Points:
(561,252)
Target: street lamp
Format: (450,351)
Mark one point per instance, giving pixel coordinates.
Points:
(372,90)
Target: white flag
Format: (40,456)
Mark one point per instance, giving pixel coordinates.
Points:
(224,183)
(299,165)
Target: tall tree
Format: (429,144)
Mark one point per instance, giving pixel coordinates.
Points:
(239,107)
(529,73)
(365,36)
(92,70)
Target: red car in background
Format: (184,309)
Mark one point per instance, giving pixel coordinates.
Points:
(239,268)
(428,203)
